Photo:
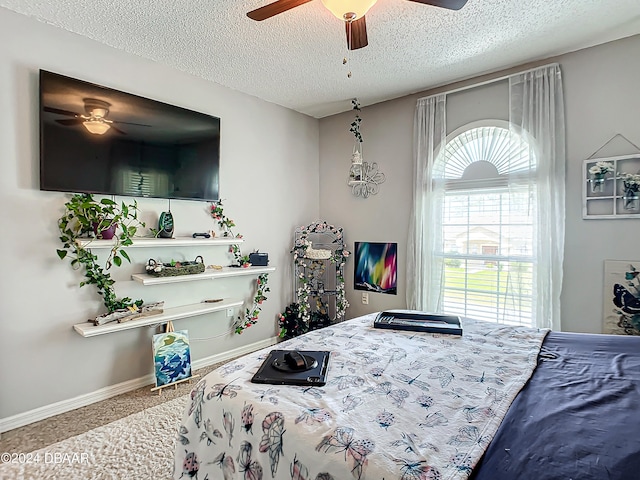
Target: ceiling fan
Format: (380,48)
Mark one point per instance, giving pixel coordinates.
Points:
(352,12)
(95,120)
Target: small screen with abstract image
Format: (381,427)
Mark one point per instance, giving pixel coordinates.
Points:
(376,267)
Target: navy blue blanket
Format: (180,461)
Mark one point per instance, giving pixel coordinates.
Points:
(577,418)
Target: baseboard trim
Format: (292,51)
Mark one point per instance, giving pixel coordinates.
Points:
(46,411)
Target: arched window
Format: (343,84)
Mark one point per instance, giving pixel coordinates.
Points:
(487,179)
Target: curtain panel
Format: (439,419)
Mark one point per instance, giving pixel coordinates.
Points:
(536,104)
(537,116)
(424,269)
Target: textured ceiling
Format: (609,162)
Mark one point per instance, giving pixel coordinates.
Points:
(295,59)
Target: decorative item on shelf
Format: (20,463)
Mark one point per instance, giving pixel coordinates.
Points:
(174,268)
(129,313)
(301,262)
(598,174)
(259,259)
(83,217)
(364,178)
(165,225)
(631,200)
(316,253)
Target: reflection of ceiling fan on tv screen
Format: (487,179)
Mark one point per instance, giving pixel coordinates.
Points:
(95,120)
(352,12)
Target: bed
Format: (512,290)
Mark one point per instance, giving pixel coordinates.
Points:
(498,403)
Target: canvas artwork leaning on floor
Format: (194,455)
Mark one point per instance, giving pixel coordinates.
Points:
(171,357)
(621,297)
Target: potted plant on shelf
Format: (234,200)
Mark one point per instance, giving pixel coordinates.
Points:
(86,219)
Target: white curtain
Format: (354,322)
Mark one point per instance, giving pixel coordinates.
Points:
(536,166)
(424,270)
(537,111)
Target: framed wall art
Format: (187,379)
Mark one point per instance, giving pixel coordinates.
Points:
(376,267)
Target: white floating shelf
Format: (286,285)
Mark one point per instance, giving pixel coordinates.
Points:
(143,242)
(208,274)
(87,329)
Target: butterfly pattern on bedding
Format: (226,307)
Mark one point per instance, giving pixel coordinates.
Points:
(397,405)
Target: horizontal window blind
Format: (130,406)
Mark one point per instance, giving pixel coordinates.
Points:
(488,254)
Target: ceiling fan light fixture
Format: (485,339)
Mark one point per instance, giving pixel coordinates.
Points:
(348,10)
(96,127)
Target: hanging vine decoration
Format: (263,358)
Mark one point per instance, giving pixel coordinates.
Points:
(355,125)
(364,178)
(338,257)
(251,314)
(226,224)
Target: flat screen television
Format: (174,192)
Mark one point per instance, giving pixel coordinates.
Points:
(94,139)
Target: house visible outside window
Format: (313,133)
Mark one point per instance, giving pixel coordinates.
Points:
(489,205)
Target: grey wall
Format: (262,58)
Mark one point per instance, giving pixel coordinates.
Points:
(601,101)
(269,180)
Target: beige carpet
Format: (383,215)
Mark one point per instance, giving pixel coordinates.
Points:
(139,446)
(54,429)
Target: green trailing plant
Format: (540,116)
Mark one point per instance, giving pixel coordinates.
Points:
(83,221)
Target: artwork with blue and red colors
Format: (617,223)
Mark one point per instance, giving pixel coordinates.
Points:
(376,267)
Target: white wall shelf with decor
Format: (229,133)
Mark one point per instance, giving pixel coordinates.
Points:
(608,196)
(88,329)
(146,242)
(208,274)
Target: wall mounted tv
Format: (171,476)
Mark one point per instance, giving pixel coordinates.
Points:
(97,140)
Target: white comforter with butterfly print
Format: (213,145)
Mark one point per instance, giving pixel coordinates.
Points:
(397,405)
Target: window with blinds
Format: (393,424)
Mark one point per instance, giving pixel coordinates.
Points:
(144,184)
(487,230)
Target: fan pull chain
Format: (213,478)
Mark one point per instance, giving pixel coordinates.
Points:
(345,60)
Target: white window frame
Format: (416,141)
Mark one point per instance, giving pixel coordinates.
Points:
(525,313)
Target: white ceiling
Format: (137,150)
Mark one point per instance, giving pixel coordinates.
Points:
(295,59)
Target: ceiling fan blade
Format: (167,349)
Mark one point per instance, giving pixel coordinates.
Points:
(113,127)
(70,121)
(129,123)
(59,111)
(274,8)
(450,4)
(357,34)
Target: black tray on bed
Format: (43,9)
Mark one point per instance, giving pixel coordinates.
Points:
(275,369)
(416,321)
